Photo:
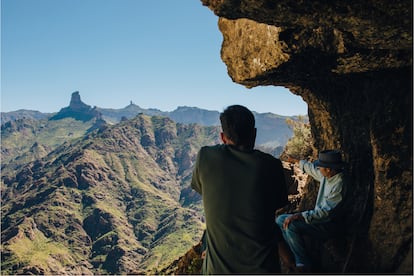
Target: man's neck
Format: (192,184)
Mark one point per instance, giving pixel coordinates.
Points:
(241,147)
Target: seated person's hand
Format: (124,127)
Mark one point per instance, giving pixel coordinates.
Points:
(291,159)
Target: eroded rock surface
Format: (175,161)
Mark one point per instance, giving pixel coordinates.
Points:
(351,61)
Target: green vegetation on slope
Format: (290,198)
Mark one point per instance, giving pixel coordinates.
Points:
(108,201)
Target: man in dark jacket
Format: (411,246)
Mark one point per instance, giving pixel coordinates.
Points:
(241,189)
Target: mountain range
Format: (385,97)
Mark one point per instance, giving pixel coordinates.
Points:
(96,191)
(272,129)
(116,200)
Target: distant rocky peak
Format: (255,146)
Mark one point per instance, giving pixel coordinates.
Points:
(78,110)
(76,102)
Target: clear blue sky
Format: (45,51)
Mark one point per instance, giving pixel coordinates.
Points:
(156,53)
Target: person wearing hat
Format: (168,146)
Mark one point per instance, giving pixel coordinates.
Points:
(324,220)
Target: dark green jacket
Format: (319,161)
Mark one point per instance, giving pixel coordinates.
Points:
(241,192)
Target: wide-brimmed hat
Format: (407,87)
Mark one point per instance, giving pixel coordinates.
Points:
(330,159)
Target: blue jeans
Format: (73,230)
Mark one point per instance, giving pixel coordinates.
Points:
(294,236)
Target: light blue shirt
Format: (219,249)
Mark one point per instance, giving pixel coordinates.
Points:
(331,193)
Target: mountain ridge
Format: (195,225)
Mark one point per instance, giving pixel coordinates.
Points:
(272,129)
(106,203)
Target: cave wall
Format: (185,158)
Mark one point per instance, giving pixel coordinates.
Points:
(351,62)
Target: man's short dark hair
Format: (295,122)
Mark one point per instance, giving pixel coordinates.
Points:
(238,125)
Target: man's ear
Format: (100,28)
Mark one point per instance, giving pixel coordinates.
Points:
(223,138)
(226,140)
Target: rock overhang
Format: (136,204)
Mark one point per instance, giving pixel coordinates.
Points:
(264,39)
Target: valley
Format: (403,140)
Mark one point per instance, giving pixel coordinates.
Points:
(84,196)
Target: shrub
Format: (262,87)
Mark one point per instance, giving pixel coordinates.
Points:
(301,144)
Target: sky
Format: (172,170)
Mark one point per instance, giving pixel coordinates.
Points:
(156,53)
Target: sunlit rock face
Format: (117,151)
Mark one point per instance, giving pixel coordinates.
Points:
(351,61)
